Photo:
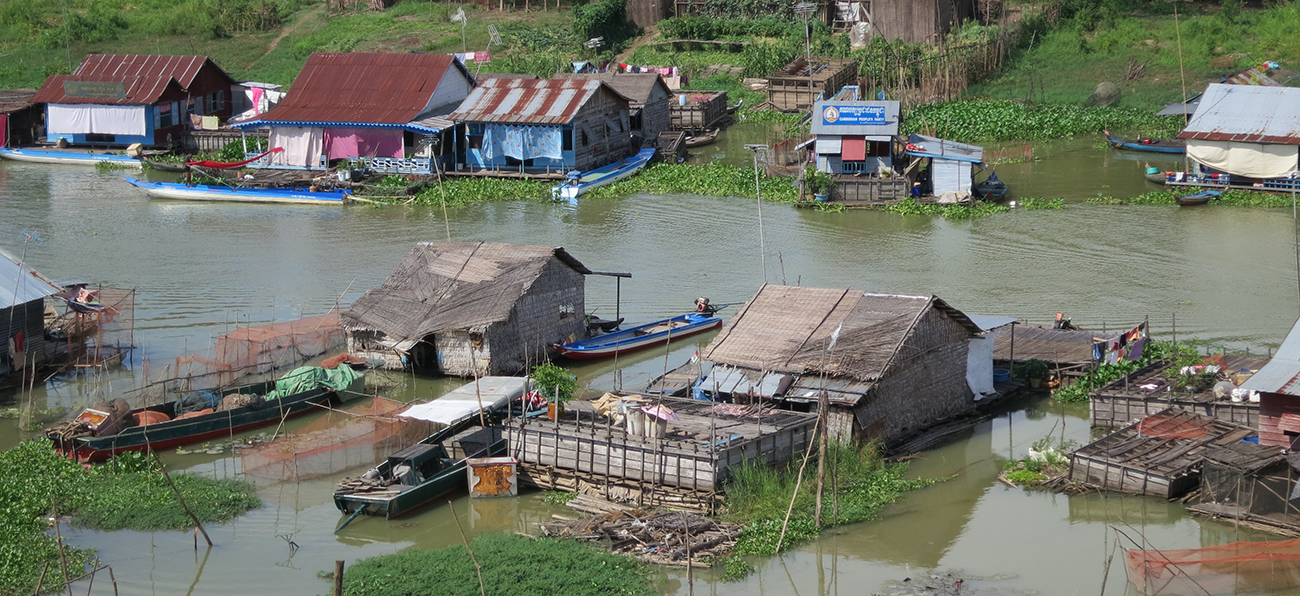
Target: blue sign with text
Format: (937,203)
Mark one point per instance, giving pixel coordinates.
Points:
(850,115)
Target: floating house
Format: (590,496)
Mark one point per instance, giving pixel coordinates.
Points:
(854,143)
(648,99)
(1279,394)
(121,99)
(21,120)
(389,109)
(1250,131)
(22,314)
(470,308)
(951,164)
(797,86)
(890,364)
(1148,391)
(542,126)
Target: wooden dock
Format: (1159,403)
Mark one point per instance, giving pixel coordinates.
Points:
(688,468)
(1159,456)
(1059,347)
(1147,391)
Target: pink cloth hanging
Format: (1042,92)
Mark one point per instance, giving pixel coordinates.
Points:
(343,143)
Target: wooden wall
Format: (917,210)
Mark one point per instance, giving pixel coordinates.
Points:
(550,311)
(1117,411)
(1271,408)
(604,145)
(29,318)
(645,12)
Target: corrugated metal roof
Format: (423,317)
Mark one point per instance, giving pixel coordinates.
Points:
(19,284)
(538,101)
(821,125)
(145,77)
(363,87)
(636,87)
(1247,114)
(943,149)
(987,322)
(1282,373)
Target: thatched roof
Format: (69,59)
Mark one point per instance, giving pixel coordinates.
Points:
(452,285)
(786,329)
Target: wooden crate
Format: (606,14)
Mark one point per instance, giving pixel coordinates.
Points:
(703,109)
(793,89)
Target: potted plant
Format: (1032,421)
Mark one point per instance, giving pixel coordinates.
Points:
(818,183)
(1034,371)
(556,384)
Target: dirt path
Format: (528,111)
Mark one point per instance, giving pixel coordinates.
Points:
(285,32)
(650,33)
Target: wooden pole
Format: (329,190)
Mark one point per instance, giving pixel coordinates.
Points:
(181,498)
(797,483)
(41,580)
(63,561)
(338,578)
(823,405)
(112,578)
(482,590)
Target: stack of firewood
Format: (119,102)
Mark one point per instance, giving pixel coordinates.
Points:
(664,537)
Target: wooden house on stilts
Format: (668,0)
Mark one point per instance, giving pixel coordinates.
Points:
(22,314)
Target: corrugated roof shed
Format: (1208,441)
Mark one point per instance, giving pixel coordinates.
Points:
(636,87)
(12,100)
(363,87)
(19,284)
(943,149)
(786,329)
(1247,114)
(1282,373)
(536,101)
(889,127)
(452,285)
(145,77)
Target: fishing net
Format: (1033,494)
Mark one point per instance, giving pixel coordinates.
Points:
(1228,569)
(245,355)
(358,436)
(97,322)
(1165,425)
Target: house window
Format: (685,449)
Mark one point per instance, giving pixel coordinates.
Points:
(218,101)
(584,137)
(475,141)
(198,106)
(166,115)
(568,141)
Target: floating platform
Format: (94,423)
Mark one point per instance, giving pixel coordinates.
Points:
(1146,392)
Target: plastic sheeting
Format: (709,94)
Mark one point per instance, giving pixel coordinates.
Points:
(1252,160)
(491,392)
(306,378)
(95,119)
(302,146)
(523,142)
(979,365)
(344,143)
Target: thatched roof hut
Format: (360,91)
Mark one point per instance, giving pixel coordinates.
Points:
(465,308)
(890,363)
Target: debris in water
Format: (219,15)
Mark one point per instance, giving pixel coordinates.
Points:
(951,583)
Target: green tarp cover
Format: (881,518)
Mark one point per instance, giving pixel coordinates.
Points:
(306,378)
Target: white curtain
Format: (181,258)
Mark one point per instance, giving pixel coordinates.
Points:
(95,119)
(302,146)
(1252,160)
(979,365)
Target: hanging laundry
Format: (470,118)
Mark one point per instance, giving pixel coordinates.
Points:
(1135,351)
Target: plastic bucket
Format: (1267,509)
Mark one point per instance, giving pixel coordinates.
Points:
(1001,375)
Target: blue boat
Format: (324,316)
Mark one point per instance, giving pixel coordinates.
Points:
(640,337)
(82,158)
(1169,146)
(203,192)
(579,182)
(1197,198)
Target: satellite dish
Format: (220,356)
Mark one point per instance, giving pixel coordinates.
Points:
(494,35)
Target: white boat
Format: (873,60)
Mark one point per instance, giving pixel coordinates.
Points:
(202,192)
(578,184)
(83,158)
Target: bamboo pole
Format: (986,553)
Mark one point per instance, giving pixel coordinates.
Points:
(63,561)
(482,590)
(198,524)
(797,483)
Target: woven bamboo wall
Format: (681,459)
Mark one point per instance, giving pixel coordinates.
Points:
(550,311)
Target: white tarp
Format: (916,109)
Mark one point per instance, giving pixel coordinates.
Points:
(302,146)
(949,175)
(1252,160)
(979,365)
(492,392)
(95,119)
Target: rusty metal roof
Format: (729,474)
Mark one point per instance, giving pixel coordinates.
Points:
(1247,114)
(363,87)
(145,77)
(537,101)
(1282,373)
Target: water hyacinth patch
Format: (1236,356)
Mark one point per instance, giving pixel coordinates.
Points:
(1005,120)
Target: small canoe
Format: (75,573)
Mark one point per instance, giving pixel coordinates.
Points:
(178,431)
(1197,198)
(991,189)
(579,183)
(203,192)
(735,107)
(639,337)
(80,158)
(701,139)
(1155,175)
(164,166)
(1171,146)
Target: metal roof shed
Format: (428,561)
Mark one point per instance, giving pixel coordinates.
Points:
(951,168)
(1246,130)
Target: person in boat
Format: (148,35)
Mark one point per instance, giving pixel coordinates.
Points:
(702,307)
(1063,323)
(573,178)
(187,170)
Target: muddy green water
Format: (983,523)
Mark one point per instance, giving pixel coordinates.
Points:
(1228,275)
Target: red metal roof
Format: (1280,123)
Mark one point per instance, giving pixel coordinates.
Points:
(363,87)
(539,101)
(145,77)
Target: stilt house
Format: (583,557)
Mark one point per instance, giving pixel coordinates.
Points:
(1278,384)
(470,308)
(121,99)
(648,99)
(890,364)
(542,126)
(1246,130)
(389,109)
(22,313)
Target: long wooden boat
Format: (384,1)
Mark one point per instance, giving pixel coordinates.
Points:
(203,192)
(54,156)
(436,465)
(164,166)
(1171,146)
(701,139)
(603,176)
(639,337)
(204,427)
(1197,199)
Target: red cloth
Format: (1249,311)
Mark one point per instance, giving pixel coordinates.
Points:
(221,165)
(342,143)
(853,149)
(4,130)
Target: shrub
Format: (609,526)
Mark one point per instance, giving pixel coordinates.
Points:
(554,382)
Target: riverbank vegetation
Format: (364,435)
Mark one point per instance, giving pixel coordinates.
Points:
(1047,457)
(512,565)
(1080,391)
(1229,198)
(127,493)
(859,484)
(982,120)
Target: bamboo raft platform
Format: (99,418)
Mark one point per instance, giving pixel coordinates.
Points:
(1159,456)
(1147,391)
(686,469)
(671,538)
(1058,347)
